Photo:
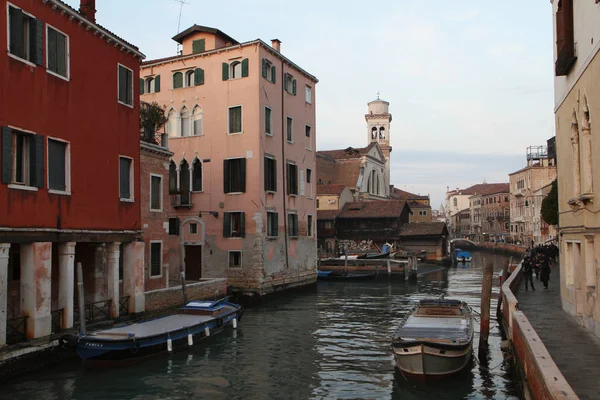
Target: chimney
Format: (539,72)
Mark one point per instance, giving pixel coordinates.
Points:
(87,8)
(276,44)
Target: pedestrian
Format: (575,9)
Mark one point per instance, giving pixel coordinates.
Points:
(537,265)
(545,272)
(528,273)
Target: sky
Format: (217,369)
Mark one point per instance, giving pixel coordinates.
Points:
(470,82)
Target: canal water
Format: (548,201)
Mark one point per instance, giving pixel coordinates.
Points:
(331,343)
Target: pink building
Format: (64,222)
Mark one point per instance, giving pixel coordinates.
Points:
(241,181)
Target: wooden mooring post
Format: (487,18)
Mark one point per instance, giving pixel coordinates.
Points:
(486,296)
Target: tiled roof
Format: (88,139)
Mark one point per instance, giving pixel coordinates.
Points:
(404,195)
(333,189)
(348,153)
(199,28)
(324,215)
(373,209)
(416,204)
(485,188)
(423,229)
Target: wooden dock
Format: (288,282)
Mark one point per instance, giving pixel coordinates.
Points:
(405,267)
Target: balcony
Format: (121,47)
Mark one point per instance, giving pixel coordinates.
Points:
(519,193)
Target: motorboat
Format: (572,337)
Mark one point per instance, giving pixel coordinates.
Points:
(462,256)
(435,340)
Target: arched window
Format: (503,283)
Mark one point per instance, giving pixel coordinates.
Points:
(149,85)
(198,121)
(189,78)
(172,177)
(184,182)
(196,175)
(235,70)
(382,133)
(586,149)
(185,121)
(575,153)
(172,125)
(374,132)
(378,185)
(177,80)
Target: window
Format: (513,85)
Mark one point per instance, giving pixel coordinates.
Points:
(172,177)
(150,85)
(308,175)
(198,46)
(317,203)
(289,130)
(155,192)
(455,201)
(565,40)
(307,130)
(290,84)
(234,175)
(172,126)
(308,95)
(25,36)
(125,86)
(185,121)
(293,225)
(235,259)
(58,160)
(155,258)
(268,121)
(268,71)
(272,224)
(422,212)
(189,78)
(193,228)
(292,179)
(309,226)
(307,134)
(270,174)
(174,226)
(308,182)
(57,52)
(234,224)
(22,158)
(235,70)
(198,121)
(196,175)
(125,178)
(235,119)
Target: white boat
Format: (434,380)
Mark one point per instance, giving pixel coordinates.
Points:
(435,340)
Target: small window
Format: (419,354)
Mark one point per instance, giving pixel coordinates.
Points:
(149,85)
(125,85)
(235,119)
(185,119)
(293,225)
(292,179)
(234,175)
(155,193)
(308,95)
(174,226)
(272,224)
(317,203)
(307,131)
(125,178)
(235,70)
(57,52)
(57,165)
(155,259)
(189,78)
(22,158)
(25,36)
(172,178)
(193,228)
(198,46)
(289,130)
(235,259)
(172,126)
(234,224)
(308,134)
(309,227)
(270,174)
(268,121)
(177,80)
(290,84)
(308,175)
(198,121)
(268,71)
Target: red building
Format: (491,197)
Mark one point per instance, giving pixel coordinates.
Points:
(69,160)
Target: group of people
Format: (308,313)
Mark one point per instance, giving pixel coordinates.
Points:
(539,260)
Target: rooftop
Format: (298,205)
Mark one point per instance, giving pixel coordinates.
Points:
(199,28)
(404,195)
(373,209)
(348,153)
(325,215)
(331,189)
(424,229)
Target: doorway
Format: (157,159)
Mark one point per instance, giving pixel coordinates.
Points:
(193,263)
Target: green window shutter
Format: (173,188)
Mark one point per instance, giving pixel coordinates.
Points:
(225,68)
(243,224)
(16,32)
(244,67)
(177,80)
(243,174)
(6,154)
(36,29)
(294,87)
(157,83)
(273,79)
(122,84)
(226,177)
(276,224)
(142,86)
(198,46)
(265,66)
(226,225)
(36,160)
(199,76)
(266,168)
(275,175)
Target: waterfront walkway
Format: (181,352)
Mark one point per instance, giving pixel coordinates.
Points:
(574,349)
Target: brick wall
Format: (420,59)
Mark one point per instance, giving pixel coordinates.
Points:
(209,289)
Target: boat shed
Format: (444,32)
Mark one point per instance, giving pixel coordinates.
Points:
(429,238)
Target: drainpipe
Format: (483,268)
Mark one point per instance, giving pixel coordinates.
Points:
(284,166)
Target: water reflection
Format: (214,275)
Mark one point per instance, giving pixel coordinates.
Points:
(333,343)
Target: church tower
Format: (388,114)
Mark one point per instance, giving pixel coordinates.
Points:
(378,130)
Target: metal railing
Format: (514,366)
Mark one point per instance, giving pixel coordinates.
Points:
(16,330)
(56,319)
(124,305)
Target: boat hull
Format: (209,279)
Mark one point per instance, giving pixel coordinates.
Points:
(425,362)
(334,276)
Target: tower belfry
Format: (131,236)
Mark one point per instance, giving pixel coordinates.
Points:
(379,120)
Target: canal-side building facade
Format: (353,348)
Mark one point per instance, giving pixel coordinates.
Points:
(69,155)
(490,213)
(577,106)
(241,125)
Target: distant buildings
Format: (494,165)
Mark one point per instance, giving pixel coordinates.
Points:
(420,207)
(241,127)
(490,213)
(577,105)
(524,183)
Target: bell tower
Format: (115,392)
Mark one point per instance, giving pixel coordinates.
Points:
(379,120)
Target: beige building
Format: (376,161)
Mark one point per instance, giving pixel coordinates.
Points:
(542,232)
(490,213)
(539,172)
(333,197)
(577,105)
(458,200)
(241,125)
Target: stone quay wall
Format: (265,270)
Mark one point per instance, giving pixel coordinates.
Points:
(208,289)
(502,247)
(542,378)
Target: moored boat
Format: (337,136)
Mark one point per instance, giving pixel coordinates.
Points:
(435,340)
(132,342)
(340,275)
(462,256)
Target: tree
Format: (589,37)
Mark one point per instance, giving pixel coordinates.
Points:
(152,118)
(550,205)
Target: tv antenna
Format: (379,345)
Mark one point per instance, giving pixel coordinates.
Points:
(181,2)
